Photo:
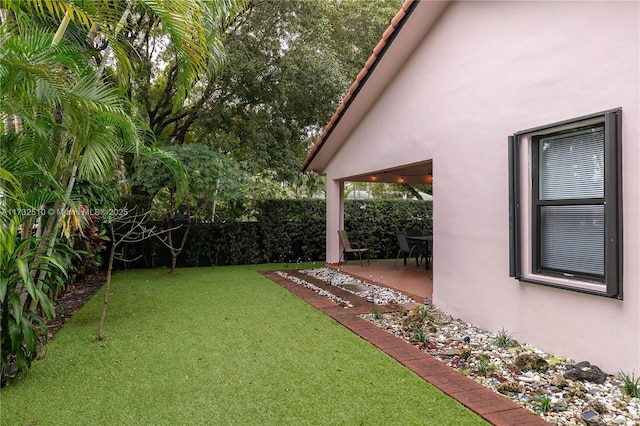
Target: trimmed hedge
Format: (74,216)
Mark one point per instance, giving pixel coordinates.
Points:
(288,231)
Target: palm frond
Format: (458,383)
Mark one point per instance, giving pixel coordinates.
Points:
(224,12)
(24,169)
(90,94)
(173,164)
(40,197)
(107,135)
(128,134)
(34,75)
(183,21)
(98,157)
(146,135)
(123,51)
(221,14)
(9,184)
(45,8)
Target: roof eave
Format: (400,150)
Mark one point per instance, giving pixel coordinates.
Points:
(379,51)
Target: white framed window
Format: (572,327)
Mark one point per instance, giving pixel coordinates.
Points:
(565,204)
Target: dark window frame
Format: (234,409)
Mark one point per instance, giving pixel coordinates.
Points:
(611,281)
(537,204)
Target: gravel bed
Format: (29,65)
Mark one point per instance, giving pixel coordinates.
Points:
(368,290)
(521,372)
(321,292)
(482,356)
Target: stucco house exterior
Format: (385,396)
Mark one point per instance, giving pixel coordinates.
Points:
(527,116)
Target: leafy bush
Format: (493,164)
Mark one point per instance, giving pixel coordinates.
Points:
(22,297)
(291,231)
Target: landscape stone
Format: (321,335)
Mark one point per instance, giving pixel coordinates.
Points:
(568,403)
(585,371)
(526,379)
(620,420)
(590,418)
(531,362)
(509,387)
(559,381)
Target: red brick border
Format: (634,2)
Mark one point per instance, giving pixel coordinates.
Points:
(491,406)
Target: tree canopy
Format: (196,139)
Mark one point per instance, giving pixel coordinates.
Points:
(288,65)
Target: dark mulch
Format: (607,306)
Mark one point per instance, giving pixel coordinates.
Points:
(74,297)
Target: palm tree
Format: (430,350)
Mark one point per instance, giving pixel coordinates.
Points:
(88,111)
(64,67)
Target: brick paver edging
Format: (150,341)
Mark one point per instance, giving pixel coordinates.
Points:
(491,406)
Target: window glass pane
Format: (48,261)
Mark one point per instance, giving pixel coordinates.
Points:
(572,238)
(572,165)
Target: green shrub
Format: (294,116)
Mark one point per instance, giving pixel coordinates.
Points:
(630,384)
(22,297)
(288,231)
(504,339)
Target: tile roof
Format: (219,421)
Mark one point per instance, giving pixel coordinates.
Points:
(378,51)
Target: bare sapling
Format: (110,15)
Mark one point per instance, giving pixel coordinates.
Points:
(126,228)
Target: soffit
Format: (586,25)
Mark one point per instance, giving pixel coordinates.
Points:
(414,173)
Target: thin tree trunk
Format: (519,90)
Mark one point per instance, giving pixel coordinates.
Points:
(57,221)
(174,261)
(107,285)
(176,252)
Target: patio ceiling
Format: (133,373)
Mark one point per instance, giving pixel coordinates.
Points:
(409,173)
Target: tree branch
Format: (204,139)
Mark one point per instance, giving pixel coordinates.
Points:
(165,99)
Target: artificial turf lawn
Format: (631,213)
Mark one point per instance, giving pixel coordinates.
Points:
(217,346)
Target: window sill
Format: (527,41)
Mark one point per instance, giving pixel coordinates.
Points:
(596,289)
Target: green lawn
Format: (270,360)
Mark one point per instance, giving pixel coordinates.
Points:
(217,346)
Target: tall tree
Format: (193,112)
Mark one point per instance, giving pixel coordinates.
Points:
(288,65)
(87,111)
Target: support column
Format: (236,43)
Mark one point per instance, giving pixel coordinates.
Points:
(335,219)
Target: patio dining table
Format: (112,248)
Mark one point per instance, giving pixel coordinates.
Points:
(428,240)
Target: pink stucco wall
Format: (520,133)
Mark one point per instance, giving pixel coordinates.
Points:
(485,71)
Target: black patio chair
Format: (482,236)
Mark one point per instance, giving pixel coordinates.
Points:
(422,244)
(409,250)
